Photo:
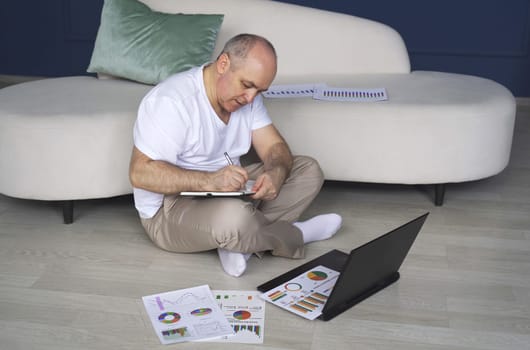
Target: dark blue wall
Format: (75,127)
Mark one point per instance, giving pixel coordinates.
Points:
(488,38)
(47,37)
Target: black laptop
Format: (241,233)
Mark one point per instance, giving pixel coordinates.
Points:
(362,273)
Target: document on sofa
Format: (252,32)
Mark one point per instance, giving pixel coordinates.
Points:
(292,91)
(347,94)
(324,92)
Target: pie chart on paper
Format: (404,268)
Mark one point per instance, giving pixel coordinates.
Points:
(317,275)
(242,315)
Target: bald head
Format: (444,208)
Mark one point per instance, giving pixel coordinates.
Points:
(245,68)
(240,46)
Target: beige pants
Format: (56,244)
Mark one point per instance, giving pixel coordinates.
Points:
(192,224)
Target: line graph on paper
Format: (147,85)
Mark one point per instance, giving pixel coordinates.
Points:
(186,299)
(186,315)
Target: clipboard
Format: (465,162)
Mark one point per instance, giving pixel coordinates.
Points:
(247,191)
(216,194)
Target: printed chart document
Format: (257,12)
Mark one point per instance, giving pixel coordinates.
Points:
(247,191)
(186,315)
(291,91)
(325,92)
(306,294)
(245,311)
(346,94)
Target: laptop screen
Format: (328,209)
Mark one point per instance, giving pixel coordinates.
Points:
(371,267)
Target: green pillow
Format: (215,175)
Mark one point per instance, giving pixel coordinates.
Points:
(137,43)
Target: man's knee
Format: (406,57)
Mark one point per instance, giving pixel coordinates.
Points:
(308,168)
(234,224)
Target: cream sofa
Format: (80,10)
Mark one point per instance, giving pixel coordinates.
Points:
(70,138)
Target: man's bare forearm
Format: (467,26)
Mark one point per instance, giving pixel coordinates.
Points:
(165,178)
(278,161)
(162,177)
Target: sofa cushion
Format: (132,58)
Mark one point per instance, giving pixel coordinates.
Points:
(139,44)
(435,127)
(67,138)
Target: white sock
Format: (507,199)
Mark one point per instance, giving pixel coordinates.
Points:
(319,227)
(233,263)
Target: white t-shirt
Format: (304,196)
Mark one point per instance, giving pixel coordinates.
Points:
(177,124)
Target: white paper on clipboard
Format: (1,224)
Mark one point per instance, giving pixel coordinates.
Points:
(247,191)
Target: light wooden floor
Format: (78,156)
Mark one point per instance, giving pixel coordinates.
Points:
(465,284)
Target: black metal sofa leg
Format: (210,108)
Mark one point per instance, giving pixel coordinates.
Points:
(68,212)
(439,194)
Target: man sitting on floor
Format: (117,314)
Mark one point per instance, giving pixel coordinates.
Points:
(185,126)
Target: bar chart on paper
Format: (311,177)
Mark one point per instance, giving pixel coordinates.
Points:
(245,311)
(306,294)
(350,94)
(328,93)
(186,315)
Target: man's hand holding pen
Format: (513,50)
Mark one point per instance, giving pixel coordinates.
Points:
(231,177)
(235,178)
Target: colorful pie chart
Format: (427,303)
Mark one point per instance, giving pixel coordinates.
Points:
(242,315)
(293,287)
(317,275)
(169,317)
(201,312)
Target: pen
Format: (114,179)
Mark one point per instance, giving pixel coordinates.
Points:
(228,159)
